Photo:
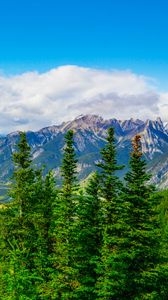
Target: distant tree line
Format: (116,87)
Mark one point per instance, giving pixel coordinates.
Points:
(107,240)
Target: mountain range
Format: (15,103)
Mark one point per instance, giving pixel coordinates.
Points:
(90,136)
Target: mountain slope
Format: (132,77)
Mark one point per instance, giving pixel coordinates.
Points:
(90,133)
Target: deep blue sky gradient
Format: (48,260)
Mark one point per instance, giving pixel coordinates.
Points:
(121,34)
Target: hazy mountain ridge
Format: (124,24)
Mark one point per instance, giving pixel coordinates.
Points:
(90,132)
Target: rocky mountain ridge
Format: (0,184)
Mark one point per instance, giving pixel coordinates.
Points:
(90,133)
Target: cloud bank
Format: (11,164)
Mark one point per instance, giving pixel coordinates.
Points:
(33,100)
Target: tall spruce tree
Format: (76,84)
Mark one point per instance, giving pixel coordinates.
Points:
(111,265)
(143,232)
(27,230)
(65,280)
(69,167)
(163,267)
(19,234)
(44,224)
(88,239)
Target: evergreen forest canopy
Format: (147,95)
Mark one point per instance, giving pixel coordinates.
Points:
(107,240)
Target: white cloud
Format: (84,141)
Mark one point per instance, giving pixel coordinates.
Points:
(163,106)
(32,100)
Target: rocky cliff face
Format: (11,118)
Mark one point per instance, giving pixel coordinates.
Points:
(90,132)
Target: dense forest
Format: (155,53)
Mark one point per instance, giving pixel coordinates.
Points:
(106,239)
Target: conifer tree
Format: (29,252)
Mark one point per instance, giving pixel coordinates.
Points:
(111,266)
(65,278)
(143,233)
(47,197)
(69,166)
(88,239)
(27,230)
(23,176)
(19,235)
(50,196)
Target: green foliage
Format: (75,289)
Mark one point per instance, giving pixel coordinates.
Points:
(142,230)
(88,239)
(104,240)
(43,221)
(110,184)
(69,165)
(65,280)
(110,265)
(25,228)
(163,209)
(18,231)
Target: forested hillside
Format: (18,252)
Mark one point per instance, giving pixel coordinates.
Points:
(106,239)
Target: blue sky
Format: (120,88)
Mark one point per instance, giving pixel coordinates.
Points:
(59,59)
(122,34)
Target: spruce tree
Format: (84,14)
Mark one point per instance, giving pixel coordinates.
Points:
(110,267)
(19,234)
(69,166)
(143,232)
(88,238)
(27,230)
(65,280)
(44,224)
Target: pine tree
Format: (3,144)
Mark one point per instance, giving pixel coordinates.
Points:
(19,234)
(44,224)
(23,176)
(142,230)
(27,230)
(69,166)
(65,278)
(111,267)
(88,239)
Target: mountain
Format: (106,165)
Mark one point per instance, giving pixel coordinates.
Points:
(90,133)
